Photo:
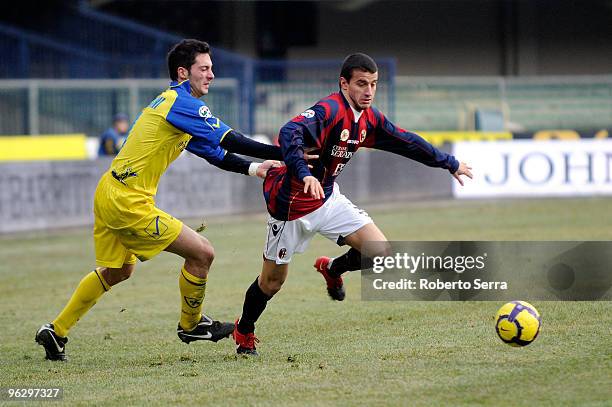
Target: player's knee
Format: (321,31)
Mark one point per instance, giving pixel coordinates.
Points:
(113,276)
(271,286)
(386,249)
(205,254)
(379,249)
(126,271)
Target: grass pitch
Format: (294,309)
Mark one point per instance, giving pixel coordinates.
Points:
(313,351)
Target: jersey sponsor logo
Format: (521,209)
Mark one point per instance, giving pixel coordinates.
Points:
(309,114)
(339,169)
(344,135)
(156,228)
(193,302)
(362,136)
(353,141)
(341,152)
(204,112)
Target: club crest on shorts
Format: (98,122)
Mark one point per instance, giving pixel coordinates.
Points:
(344,135)
(282,253)
(156,228)
(362,136)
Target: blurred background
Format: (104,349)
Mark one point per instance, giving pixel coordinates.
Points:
(501,79)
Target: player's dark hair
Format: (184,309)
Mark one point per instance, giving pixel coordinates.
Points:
(184,54)
(359,61)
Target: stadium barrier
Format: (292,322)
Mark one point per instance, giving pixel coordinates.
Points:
(79,147)
(48,195)
(54,194)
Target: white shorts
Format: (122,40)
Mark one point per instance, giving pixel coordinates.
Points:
(335,220)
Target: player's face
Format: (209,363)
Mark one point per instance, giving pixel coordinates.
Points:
(360,89)
(201,75)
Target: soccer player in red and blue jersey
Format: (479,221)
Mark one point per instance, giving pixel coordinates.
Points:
(303,201)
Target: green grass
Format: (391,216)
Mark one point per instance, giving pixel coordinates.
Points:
(313,351)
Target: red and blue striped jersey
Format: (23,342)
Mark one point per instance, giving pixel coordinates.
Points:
(329,129)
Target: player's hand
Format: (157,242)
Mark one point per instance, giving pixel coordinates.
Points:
(313,187)
(463,169)
(262,170)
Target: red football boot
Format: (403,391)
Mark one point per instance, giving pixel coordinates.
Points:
(335,285)
(246,342)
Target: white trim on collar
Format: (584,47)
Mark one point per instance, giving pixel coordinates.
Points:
(356,113)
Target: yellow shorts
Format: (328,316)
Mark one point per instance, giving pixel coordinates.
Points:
(127,225)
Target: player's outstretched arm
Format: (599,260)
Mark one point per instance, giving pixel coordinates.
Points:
(228,161)
(389,137)
(238,143)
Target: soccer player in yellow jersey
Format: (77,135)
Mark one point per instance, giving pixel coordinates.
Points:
(128,225)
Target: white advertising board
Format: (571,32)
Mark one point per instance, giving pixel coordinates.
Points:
(536,168)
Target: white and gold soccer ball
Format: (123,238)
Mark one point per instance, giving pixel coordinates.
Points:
(518,323)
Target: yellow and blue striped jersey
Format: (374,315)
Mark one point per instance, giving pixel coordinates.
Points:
(172,122)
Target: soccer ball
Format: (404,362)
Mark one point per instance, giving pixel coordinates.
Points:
(518,323)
